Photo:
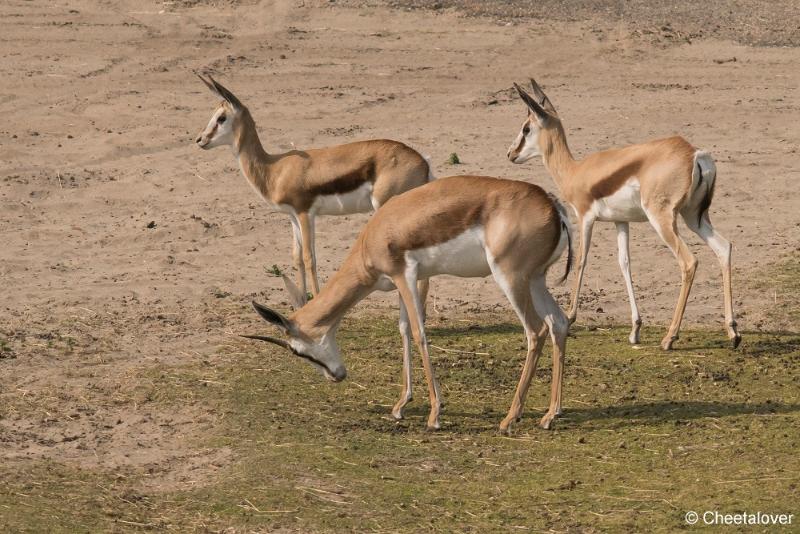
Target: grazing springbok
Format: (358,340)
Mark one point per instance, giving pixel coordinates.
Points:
(338,180)
(653,182)
(466,226)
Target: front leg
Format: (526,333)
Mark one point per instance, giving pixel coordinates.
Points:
(405,334)
(586,224)
(406,286)
(309,254)
(297,256)
(625,267)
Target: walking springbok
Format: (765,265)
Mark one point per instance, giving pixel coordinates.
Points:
(466,226)
(338,180)
(653,182)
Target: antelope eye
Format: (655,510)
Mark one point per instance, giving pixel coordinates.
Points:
(220,119)
(526,130)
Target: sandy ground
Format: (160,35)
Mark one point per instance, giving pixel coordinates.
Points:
(123,245)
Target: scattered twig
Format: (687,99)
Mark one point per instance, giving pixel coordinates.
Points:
(753,480)
(147,525)
(460,351)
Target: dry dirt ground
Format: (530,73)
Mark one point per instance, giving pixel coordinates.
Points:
(123,245)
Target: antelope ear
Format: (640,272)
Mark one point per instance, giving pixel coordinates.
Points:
(271,316)
(298,298)
(544,101)
(532,104)
(224,93)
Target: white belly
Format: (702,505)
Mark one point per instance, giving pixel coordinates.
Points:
(463,256)
(624,205)
(356,201)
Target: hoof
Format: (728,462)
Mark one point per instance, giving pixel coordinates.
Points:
(667,342)
(433,427)
(736,340)
(547,421)
(397,410)
(633,339)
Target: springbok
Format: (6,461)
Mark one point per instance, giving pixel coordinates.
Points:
(338,180)
(466,226)
(653,182)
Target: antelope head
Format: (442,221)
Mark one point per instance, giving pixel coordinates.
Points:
(224,121)
(541,115)
(321,351)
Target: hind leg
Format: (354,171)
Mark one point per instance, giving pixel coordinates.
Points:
(518,293)
(722,250)
(665,224)
(586,225)
(555,319)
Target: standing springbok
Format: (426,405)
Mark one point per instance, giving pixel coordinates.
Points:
(653,182)
(338,180)
(466,226)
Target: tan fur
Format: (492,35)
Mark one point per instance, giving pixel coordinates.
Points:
(668,186)
(663,168)
(296,179)
(522,229)
(517,216)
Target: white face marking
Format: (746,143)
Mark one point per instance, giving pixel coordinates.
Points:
(218,133)
(357,201)
(625,205)
(463,256)
(323,355)
(526,144)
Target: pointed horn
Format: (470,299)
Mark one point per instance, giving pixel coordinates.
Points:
(531,102)
(227,95)
(207,84)
(273,340)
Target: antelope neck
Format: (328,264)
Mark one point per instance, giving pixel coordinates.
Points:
(253,159)
(556,154)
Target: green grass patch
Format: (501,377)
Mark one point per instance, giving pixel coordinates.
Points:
(646,436)
(782,282)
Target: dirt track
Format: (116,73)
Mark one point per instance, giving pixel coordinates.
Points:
(124,244)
